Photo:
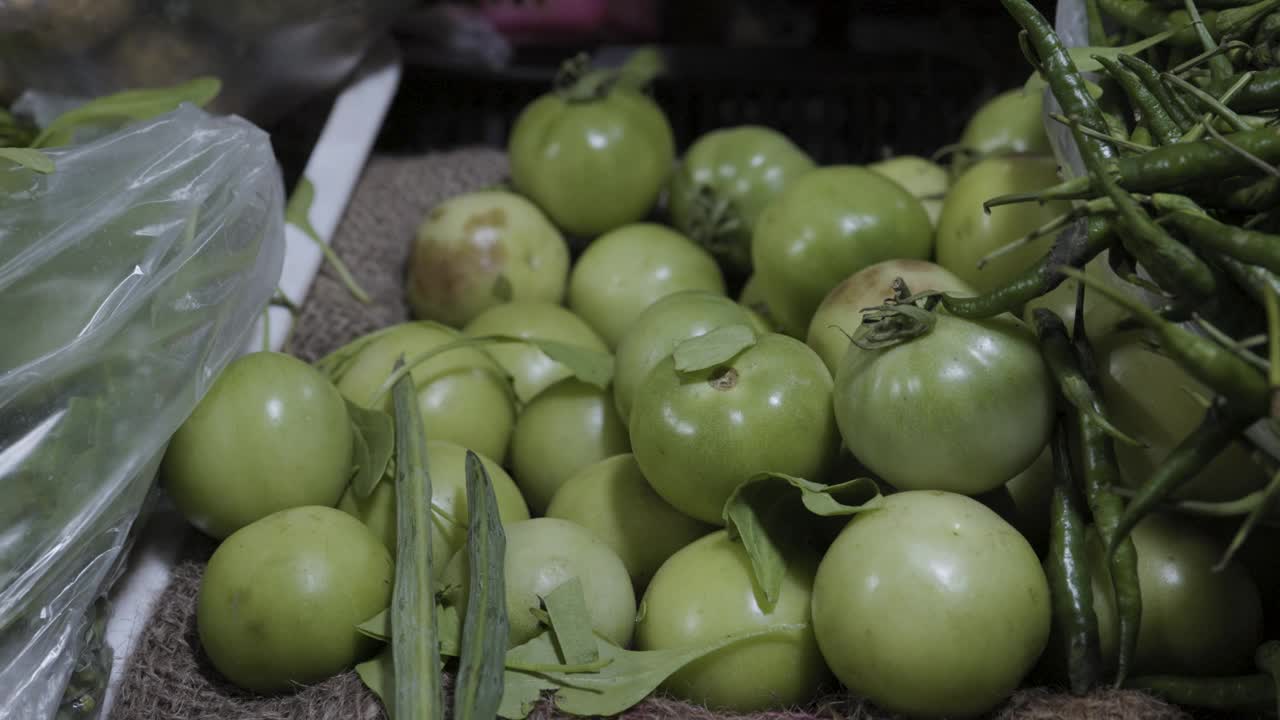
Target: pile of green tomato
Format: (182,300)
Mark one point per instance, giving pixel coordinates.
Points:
(932,602)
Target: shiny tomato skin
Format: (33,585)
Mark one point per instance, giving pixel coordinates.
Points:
(698,435)
(706,591)
(931,606)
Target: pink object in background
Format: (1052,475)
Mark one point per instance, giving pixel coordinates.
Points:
(535,21)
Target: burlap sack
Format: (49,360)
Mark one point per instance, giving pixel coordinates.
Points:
(169,678)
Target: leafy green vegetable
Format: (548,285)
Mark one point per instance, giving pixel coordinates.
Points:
(374,432)
(762,513)
(484,630)
(571,623)
(716,347)
(297,212)
(628,678)
(33,160)
(415,648)
(130,105)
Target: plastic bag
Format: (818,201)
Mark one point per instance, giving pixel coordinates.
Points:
(271,55)
(129,277)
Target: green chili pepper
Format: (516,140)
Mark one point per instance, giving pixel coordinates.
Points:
(1256,281)
(1100,473)
(1174,266)
(1240,21)
(1072,248)
(1261,93)
(1243,385)
(1246,693)
(1244,194)
(1067,567)
(1216,431)
(1149,19)
(1141,136)
(1169,166)
(1097,31)
(1060,70)
(1249,246)
(1153,115)
(1150,78)
(1055,345)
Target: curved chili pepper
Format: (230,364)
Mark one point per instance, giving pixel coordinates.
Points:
(1153,115)
(1169,166)
(1060,355)
(1261,93)
(1250,246)
(1067,566)
(1099,473)
(1060,70)
(1072,248)
(1220,425)
(1150,78)
(1243,385)
(1173,265)
(1255,281)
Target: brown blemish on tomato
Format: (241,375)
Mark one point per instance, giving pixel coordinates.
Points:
(878,280)
(723,378)
(442,272)
(495,218)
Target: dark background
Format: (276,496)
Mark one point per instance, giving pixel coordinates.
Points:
(848,80)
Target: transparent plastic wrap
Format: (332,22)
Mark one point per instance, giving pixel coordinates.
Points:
(271,55)
(129,277)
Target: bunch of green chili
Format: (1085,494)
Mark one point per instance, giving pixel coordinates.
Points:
(1181,187)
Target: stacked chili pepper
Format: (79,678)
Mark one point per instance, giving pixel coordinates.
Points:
(1180,141)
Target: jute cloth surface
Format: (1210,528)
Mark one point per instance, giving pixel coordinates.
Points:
(169,678)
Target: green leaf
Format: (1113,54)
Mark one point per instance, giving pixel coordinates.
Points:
(130,105)
(360,465)
(28,158)
(485,629)
(378,675)
(377,627)
(414,644)
(716,347)
(1085,62)
(629,677)
(571,623)
(297,212)
(335,364)
(762,513)
(375,433)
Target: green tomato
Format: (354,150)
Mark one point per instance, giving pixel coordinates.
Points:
(924,179)
(612,499)
(1150,397)
(827,225)
(931,606)
(1009,123)
(967,232)
(447,466)
(840,314)
(659,329)
(1101,316)
(530,368)
(541,555)
(482,249)
(271,433)
(627,270)
(568,427)
(963,408)
(595,164)
(707,591)
(462,394)
(1195,620)
(281,597)
(699,435)
(725,179)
